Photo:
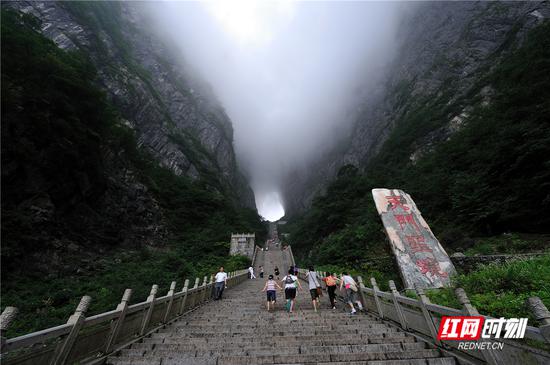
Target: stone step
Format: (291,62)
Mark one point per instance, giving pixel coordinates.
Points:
(313,358)
(182,333)
(352,328)
(413,357)
(340,339)
(323,315)
(278,313)
(280,318)
(165,350)
(194,346)
(433,361)
(259,310)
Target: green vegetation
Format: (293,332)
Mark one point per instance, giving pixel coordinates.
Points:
(53,120)
(342,229)
(57,128)
(501,290)
(509,243)
(43,304)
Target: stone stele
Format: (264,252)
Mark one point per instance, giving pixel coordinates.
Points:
(421,258)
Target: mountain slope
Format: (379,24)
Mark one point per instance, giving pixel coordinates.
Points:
(444,51)
(472,151)
(175,115)
(87,208)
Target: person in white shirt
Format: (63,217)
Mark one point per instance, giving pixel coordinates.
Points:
(314,284)
(221,283)
(351,292)
(251,272)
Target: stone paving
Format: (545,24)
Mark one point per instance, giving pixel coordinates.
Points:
(239,330)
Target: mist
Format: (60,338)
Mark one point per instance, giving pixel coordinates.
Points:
(289,74)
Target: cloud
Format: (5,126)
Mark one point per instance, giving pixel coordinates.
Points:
(289,74)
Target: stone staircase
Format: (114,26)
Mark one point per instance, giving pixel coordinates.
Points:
(239,330)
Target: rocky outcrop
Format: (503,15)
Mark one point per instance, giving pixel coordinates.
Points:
(444,50)
(175,115)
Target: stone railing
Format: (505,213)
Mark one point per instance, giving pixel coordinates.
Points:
(255,254)
(421,318)
(89,340)
(292,262)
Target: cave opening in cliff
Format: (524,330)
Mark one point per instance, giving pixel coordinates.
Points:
(270,206)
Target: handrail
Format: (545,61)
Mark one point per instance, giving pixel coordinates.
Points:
(291,256)
(421,317)
(83,339)
(254,255)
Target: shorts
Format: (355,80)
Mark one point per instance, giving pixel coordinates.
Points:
(313,293)
(271,295)
(351,296)
(290,293)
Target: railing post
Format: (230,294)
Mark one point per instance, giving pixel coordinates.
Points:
(203,289)
(470,310)
(195,293)
(170,302)
(8,315)
(151,301)
(211,284)
(76,320)
(362,292)
(541,314)
(398,309)
(467,306)
(424,300)
(117,324)
(184,297)
(375,291)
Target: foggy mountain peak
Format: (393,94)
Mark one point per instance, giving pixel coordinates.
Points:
(287,73)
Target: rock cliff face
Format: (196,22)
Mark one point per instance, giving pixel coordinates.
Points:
(175,115)
(60,218)
(444,49)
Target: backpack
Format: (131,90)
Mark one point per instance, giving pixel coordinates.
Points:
(289,280)
(330,281)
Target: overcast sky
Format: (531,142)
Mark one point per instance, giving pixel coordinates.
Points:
(289,74)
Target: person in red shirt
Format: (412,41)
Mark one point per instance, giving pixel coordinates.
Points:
(331,280)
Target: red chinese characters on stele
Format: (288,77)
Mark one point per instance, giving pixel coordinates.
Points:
(417,243)
(395,201)
(430,265)
(406,219)
(460,328)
